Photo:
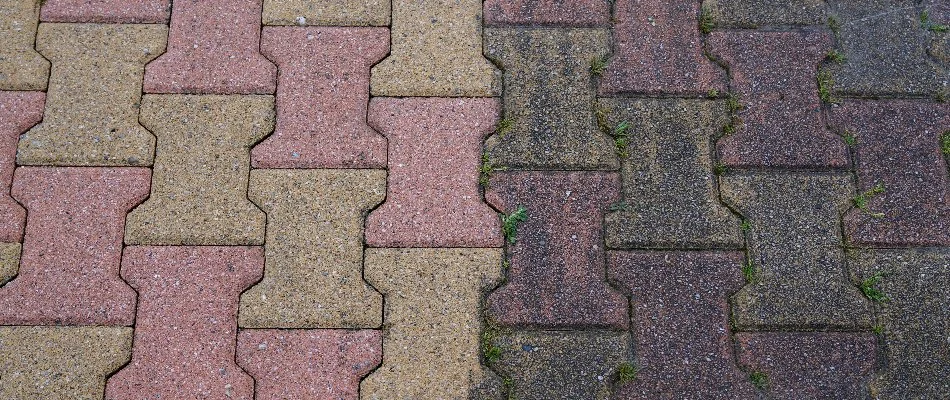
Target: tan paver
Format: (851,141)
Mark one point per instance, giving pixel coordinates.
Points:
(431,339)
(202,160)
(21,67)
(9,261)
(314,252)
(91,116)
(59,363)
(327,12)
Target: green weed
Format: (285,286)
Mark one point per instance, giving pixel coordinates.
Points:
(861,200)
(706,23)
(759,379)
(626,372)
(509,223)
(945,143)
(870,290)
(825,84)
(930,26)
(597,65)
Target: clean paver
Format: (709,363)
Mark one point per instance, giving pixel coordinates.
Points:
(18,112)
(106,11)
(327,12)
(752,14)
(21,66)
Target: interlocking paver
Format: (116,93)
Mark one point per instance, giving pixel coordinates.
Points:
(431,340)
(556,277)
(213,49)
(186,322)
(313,276)
(434,154)
(669,196)
(898,147)
(658,50)
(308,364)
(436,52)
(18,112)
(199,183)
(681,323)
(758,13)
(327,12)
(575,13)
(21,66)
(92,105)
(69,269)
(322,93)
(938,14)
(795,246)
(774,75)
(549,99)
(106,11)
(810,365)
(9,261)
(45,362)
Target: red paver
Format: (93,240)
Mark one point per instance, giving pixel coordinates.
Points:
(681,324)
(213,48)
(69,270)
(898,145)
(774,73)
(556,276)
(317,364)
(186,323)
(574,13)
(322,92)
(811,365)
(106,11)
(434,155)
(18,112)
(658,50)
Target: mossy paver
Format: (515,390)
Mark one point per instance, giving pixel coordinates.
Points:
(213,48)
(548,100)
(938,17)
(322,93)
(313,275)
(92,105)
(574,13)
(69,270)
(726,14)
(436,52)
(186,322)
(107,11)
(46,362)
(434,155)
(327,12)
(669,197)
(18,112)
(308,364)
(433,299)
(21,67)
(199,183)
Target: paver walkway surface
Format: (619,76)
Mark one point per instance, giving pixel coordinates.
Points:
(464,199)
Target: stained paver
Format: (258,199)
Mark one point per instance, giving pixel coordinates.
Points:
(669,196)
(69,269)
(434,155)
(897,147)
(311,364)
(313,275)
(322,93)
(573,13)
(45,362)
(436,52)
(186,322)
(213,48)
(549,99)
(199,183)
(759,14)
(21,66)
(774,75)
(681,323)
(92,105)
(658,50)
(18,112)
(556,277)
(810,365)
(327,12)
(432,301)
(106,11)
(794,238)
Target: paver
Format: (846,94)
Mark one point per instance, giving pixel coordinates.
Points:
(322,93)
(810,365)
(556,277)
(199,183)
(213,49)
(21,66)
(794,241)
(92,105)
(669,196)
(313,275)
(914,319)
(9,261)
(574,13)
(311,364)
(898,148)
(549,99)
(681,323)
(18,112)
(327,12)
(434,154)
(47,362)
(69,269)
(106,11)
(773,73)
(762,14)
(658,50)
(186,322)
(431,340)
(436,52)
(938,15)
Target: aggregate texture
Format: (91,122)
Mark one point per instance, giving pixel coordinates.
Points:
(21,66)
(327,12)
